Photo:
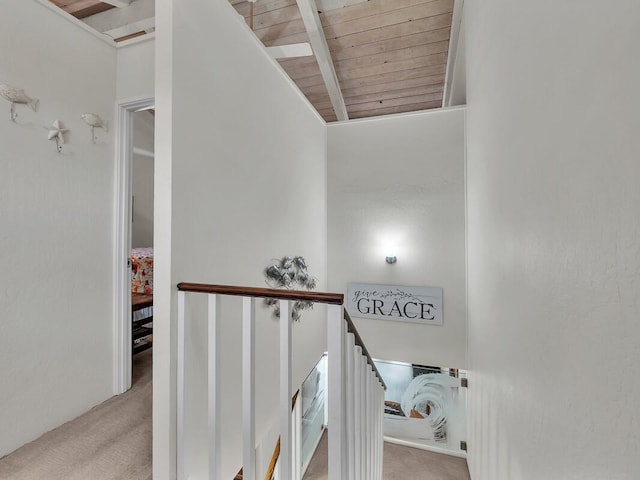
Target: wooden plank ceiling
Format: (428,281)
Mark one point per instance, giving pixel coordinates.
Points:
(390,56)
(82,8)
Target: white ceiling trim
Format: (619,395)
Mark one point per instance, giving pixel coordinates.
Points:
(117,3)
(311,20)
(413,113)
(453,50)
(292,50)
(148,24)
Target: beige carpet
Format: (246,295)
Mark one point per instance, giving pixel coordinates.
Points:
(110,442)
(400,463)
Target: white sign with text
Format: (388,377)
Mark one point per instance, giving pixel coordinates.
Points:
(395,302)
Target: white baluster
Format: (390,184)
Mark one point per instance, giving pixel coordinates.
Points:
(213,375)
(374,411)
(297,457)
(363,417)
(374,421)
(248,389)
(376,437)
(368,424)
(335,343)
(357,419)
(380,430)
(381,436)
(369,435)
(374,427)
(350,392)
(285,392)
(180,380)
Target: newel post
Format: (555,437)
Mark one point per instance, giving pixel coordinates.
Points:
(180,381)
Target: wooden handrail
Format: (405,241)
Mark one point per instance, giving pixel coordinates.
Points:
(274,459)
(276,451)
(316,297)
(351,328)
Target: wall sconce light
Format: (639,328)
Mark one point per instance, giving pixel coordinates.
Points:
(391,259)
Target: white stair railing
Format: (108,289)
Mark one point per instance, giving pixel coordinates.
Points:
(355,387)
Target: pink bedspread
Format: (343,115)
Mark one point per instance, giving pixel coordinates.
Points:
(142,270)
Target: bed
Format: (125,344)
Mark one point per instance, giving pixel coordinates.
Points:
(142,270)
(142,298)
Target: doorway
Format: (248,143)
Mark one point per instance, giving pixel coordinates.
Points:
(142,166)
(133,228)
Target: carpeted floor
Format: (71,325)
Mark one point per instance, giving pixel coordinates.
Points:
(110,442)
(400,463)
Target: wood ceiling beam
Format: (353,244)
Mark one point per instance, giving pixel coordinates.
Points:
(311,19)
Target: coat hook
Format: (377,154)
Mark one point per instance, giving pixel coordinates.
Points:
(94,121)
(17,95)
(56,132)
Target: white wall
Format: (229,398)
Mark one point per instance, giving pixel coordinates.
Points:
(554,239)
(142,181)
(56,234)
(399,181)
(136,70)
(240,179)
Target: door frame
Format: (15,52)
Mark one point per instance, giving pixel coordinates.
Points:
(122,327)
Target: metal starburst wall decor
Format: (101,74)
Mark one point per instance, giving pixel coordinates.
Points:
(289,273)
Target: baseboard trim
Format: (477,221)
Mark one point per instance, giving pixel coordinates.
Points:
(406,443)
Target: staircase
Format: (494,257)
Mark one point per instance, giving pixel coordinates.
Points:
(355,434)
